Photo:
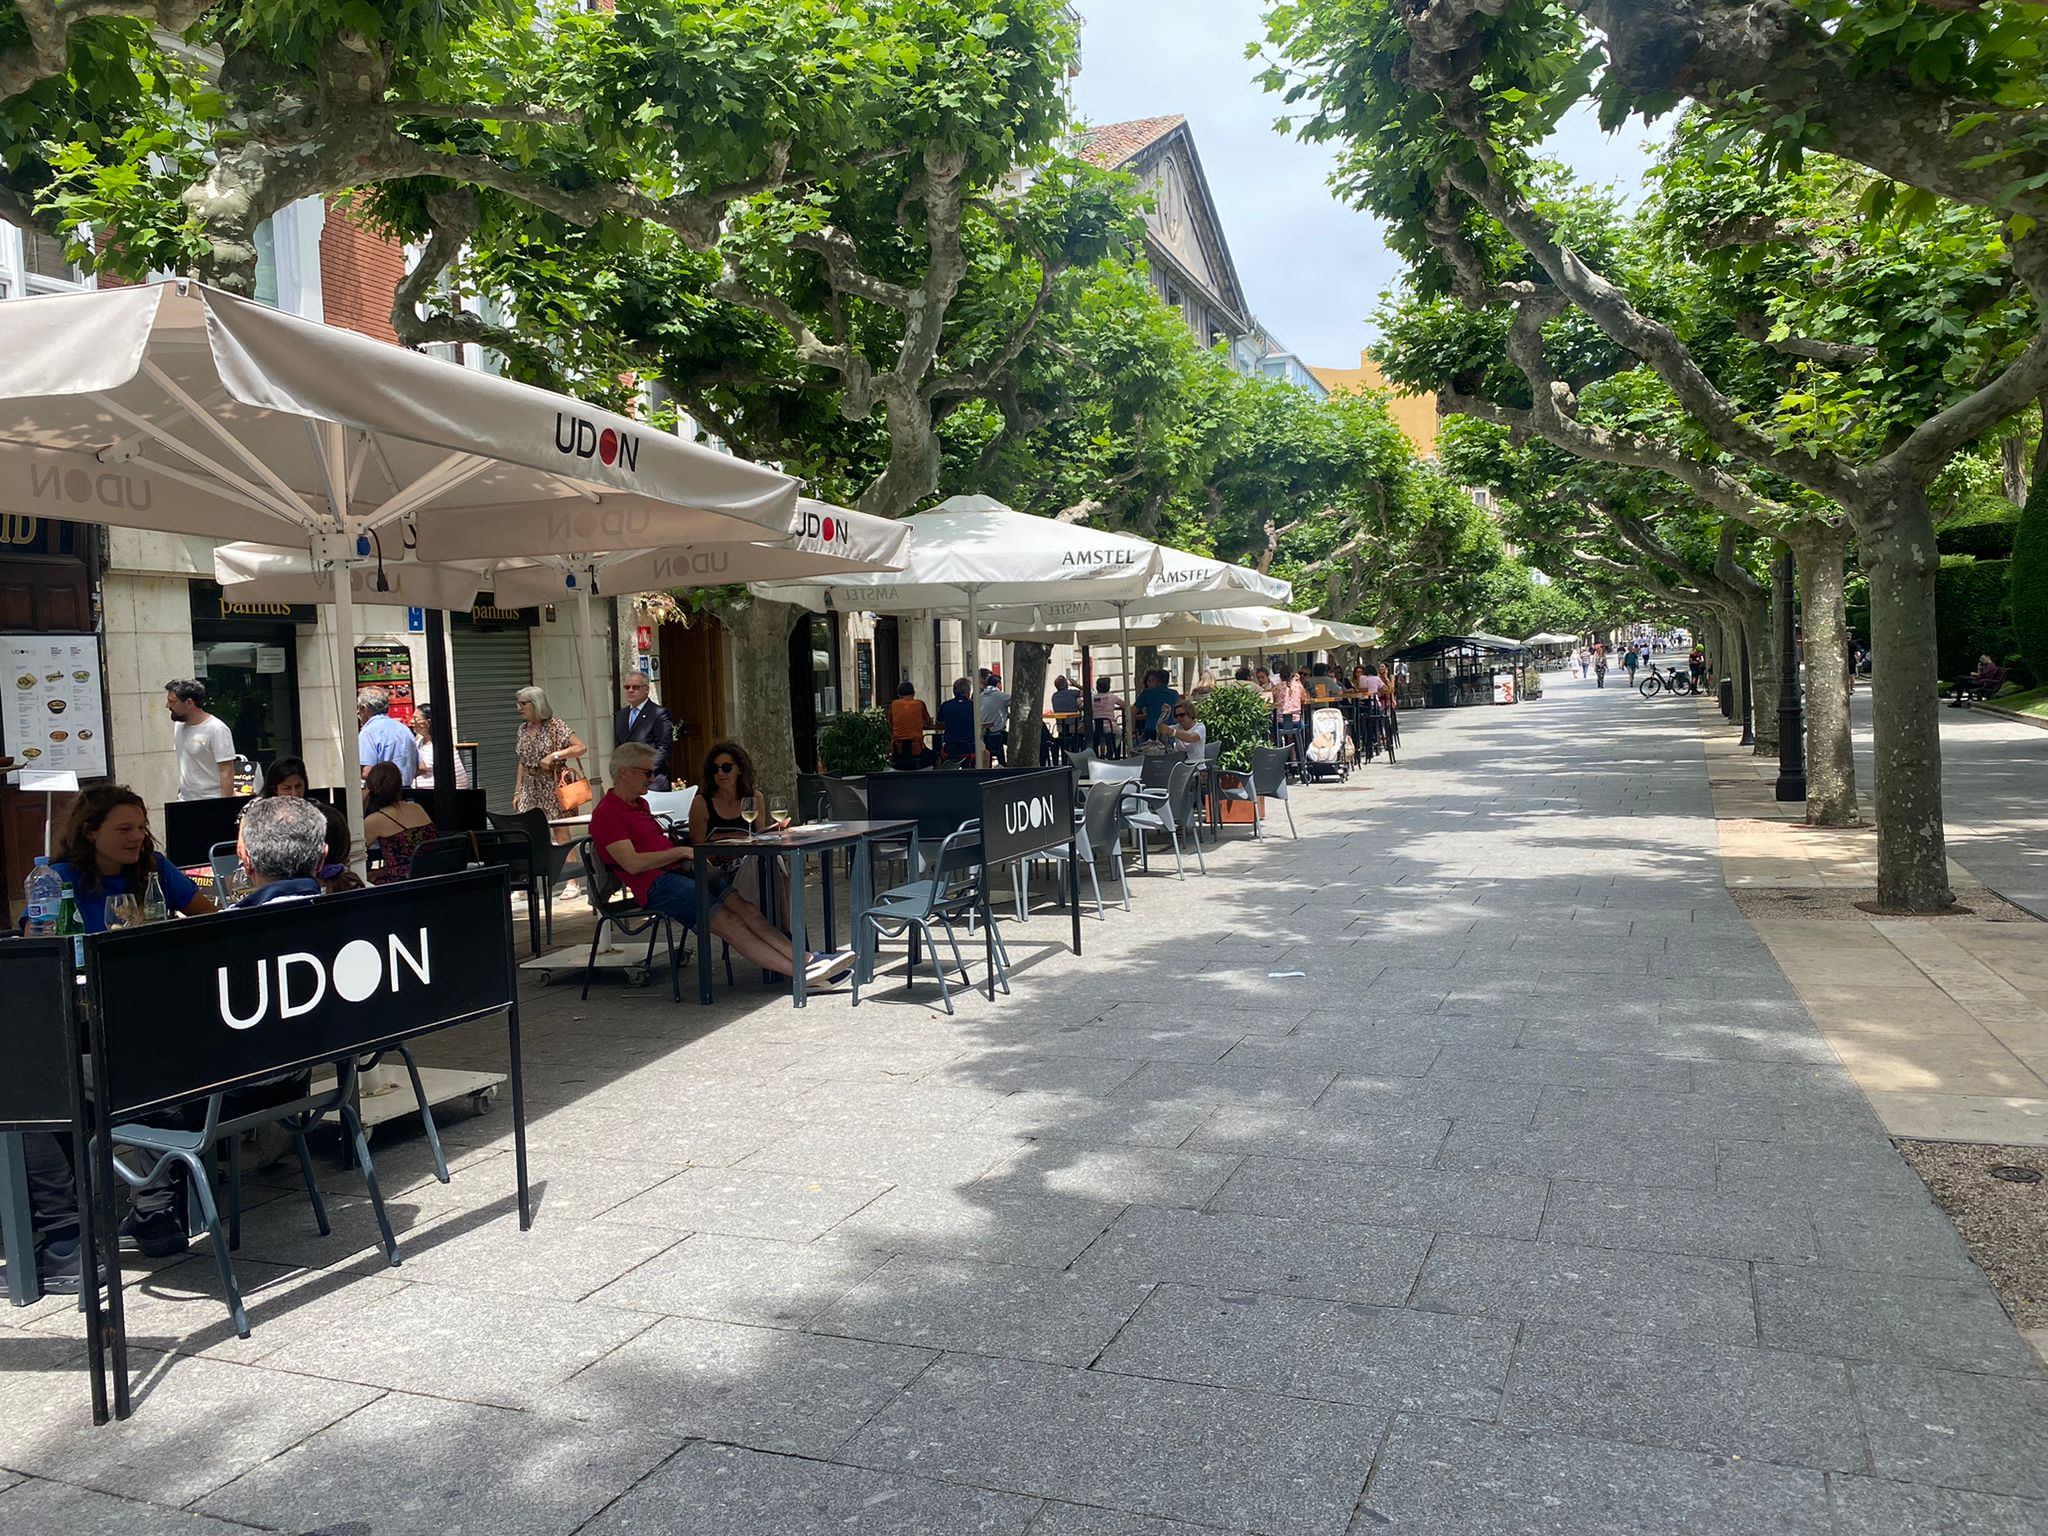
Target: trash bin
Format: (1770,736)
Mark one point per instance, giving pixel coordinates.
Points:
(1728,698)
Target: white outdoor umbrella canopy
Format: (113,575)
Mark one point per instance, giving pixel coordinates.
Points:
(972,553)
(180,409)
(1223,626)
(824,540)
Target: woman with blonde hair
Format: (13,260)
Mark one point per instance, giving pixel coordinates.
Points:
(545,745)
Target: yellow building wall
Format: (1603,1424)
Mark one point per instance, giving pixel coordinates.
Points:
(1415,415)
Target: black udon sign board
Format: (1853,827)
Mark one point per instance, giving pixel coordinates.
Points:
(38,1042)
(1023,813)
(195,1007)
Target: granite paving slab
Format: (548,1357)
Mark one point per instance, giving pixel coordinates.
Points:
(1662,1294)
(1593,1153)
(1116,1175)
(408,1466)
(991,1309)
(1089,1118)
(725,1490)
(895,1154)
(1340,1135)
(765,1388)
(1430,1198)
(42,1508)
(1209,1455)
(749,1203)
(1733,1400)
(1440,1477)
(1988,1434)
(1234,1251)
(1870,1506)
(741,1280)
(1678,1221)
(1872,1315)
(1433,1097)
(993,1226)
(1334,1352)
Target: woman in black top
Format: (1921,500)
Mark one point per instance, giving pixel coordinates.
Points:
(725,794)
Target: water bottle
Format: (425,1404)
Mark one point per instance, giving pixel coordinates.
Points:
(42,894)
(154,908)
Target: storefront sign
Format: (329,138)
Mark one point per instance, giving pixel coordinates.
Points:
(21,535)
(488,616)
(388,667)
(274,988)
(210,603)
(1024,813)
(53,716)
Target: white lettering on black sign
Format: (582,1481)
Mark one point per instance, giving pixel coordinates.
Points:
(299,982)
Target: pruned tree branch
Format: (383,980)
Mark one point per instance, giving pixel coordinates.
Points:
(1836,354)
(46,51)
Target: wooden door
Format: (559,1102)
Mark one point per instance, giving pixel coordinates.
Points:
(693,691)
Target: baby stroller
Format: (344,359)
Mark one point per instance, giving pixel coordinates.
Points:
(1328,754)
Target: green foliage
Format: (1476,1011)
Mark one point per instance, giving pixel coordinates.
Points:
(1971,613)
(2030,581)
(1983,528)
(855,742)
(1238,716)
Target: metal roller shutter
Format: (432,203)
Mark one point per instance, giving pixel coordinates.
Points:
(488,668)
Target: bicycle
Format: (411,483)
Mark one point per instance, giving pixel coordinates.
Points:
(1675,682)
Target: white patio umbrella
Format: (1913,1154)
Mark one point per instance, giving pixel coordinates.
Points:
(823,540)
(972,553)
(1186,582)
(177,408)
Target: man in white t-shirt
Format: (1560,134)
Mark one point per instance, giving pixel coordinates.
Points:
(206,747)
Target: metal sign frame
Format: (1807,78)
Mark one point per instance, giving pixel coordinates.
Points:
(369,997)
(1023,814)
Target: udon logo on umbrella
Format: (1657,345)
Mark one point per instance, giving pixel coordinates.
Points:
(819,528)
(582,439)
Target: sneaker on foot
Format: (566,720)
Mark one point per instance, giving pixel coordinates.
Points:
(157,1234)
(826,967)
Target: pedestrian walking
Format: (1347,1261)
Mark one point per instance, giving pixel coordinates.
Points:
(1599,665)
(1628,663)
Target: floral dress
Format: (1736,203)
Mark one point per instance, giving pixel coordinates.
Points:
(538,738)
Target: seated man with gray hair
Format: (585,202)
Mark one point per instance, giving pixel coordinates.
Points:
(282,844)
(381,739)
(657,872)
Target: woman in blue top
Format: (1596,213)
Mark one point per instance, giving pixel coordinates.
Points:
(107,851)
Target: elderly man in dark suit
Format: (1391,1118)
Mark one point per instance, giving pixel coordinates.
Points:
(643,720)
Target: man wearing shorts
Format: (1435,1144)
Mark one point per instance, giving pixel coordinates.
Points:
(632,842)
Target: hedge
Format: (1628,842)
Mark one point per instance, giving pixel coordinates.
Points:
(1971,616)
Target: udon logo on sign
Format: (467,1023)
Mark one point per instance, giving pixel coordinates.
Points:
(582,439)
(287,986)
(821,530)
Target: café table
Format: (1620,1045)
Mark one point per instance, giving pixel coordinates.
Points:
(796,844)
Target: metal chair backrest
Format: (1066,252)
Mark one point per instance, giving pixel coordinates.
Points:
(843,801)
(1155,769)
(1182,801)
(441,856)
(1098,818)
(608,893)
(1212,751)
(1082,760)
(226,863)
(1269,770)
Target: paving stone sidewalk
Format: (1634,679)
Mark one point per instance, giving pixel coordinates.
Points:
(1537,1205)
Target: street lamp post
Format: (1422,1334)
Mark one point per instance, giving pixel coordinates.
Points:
(1791,711)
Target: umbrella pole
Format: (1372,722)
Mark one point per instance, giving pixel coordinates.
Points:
(345,714)
(585,677)
(1123,630)
(972,649)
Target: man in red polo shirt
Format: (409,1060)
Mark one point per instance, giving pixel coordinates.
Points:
(655,870)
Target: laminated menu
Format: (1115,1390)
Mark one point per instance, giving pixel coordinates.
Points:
(54,718)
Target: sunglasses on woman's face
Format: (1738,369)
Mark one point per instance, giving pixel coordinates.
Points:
(724,767)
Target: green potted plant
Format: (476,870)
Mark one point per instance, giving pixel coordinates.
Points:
(1241,718)
(855,743)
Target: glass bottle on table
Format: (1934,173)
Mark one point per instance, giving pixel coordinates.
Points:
(154,908)
(69,922)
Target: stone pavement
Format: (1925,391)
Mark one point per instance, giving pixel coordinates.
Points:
(1538,1205)
(1942,1022)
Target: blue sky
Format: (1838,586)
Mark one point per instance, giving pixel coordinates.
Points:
(1312,268)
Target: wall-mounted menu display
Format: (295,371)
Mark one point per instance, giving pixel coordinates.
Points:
(53,717)
(388,667)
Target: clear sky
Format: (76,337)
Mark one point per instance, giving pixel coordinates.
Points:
(1312,268)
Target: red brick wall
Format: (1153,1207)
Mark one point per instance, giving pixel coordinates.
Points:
(359,271)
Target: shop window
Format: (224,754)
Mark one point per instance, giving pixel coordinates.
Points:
(34,262)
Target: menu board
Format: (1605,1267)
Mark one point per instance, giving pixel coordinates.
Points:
(388,667)
(54,719)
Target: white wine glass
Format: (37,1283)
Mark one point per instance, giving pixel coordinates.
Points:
(748,807)
(123,912)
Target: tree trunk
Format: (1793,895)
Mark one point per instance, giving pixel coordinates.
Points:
(1763,664)
(759,632)
(1729,663)
(1830,758)
(1895,532)
(1030,662)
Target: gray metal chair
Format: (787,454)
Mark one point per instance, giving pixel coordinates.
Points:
(1102,818)
(1081,759)
(951,887)
(1268,776)
(191,1150)
(1173,812)
(549,862)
